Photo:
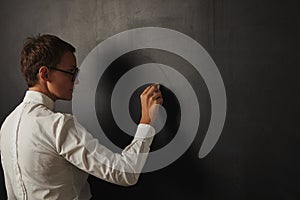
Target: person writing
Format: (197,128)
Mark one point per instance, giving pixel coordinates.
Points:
(49,155)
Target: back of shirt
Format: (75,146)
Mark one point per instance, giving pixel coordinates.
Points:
(8,153)
(33,169)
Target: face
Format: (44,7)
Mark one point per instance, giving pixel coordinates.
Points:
(60,84)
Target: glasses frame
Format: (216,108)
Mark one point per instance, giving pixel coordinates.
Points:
(74,74)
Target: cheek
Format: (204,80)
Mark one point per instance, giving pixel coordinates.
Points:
(63,81)
(60,84)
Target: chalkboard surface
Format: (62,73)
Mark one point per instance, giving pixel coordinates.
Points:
(255,45)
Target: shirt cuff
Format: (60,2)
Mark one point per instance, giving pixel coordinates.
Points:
(144,131)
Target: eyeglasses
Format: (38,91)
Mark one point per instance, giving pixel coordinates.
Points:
(74,74)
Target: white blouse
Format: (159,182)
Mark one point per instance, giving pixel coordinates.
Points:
(48,155)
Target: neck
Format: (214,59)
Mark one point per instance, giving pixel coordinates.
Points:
(43,90)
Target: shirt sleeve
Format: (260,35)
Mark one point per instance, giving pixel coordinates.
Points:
(80,148)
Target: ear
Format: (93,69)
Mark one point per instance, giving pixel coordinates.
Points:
(43,73)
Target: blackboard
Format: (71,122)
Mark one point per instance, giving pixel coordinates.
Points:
(254,44)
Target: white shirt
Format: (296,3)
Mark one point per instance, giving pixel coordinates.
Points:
(45,155)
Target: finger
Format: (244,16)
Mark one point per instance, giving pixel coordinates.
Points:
(146,90)
(159,101)
(156,95)
(156,85)
(152,89)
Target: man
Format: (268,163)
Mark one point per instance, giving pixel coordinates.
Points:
(48,155)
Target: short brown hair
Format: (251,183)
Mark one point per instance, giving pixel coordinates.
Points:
(42,50)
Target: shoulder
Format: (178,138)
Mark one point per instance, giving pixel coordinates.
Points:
(60,120)
(46,119)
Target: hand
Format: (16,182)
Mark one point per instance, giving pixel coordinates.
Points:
(150,98)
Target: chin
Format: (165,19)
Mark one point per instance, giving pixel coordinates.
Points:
(67,98)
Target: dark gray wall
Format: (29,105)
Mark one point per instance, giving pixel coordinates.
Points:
(255,45)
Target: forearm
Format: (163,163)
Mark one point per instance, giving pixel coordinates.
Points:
(94,158)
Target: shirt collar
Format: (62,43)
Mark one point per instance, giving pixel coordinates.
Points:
(40,98)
